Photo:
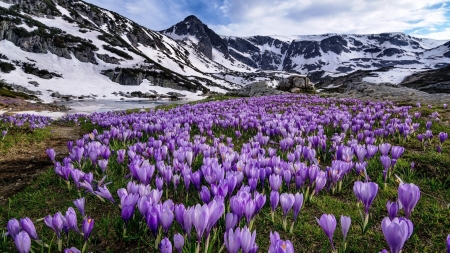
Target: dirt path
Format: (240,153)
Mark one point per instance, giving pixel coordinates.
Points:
(21,165)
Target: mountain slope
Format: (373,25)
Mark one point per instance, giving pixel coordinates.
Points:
(89,50)
(331,54)
(68,47)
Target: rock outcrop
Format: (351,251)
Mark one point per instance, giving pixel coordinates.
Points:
(296,84)
(432,81)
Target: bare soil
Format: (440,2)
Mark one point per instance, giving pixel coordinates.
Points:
(23,163)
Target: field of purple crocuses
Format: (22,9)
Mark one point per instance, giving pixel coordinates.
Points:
(287,173)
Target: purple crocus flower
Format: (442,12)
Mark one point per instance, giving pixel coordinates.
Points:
(287,201)
(298,203)
(71,219)
(127,212)
(79,203)
(51,154)
(385,161)
(448,243)
(392,208)
(152,220)
(408,195)
(56,223)
(274,199)
(275,182)
(28,226)
(345,225)
(442,137)
(248,244)
(165,246)
(232,239)
(396,232)
(120,156)
(231,221)
(104,193)
(88,225)
(365,192)
(13,227)
(103,164)
(23,242)
(205,195)
(166,219)
(281,246)
(328,223)
(384,148)
(321,180)
(396,152)
(72,250)
(178,242)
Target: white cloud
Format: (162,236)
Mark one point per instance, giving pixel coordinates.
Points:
(267,17)
(291,17)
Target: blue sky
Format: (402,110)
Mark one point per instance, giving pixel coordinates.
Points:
(420,18)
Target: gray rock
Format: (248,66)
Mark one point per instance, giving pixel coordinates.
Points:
(175,94)
(36,84)
(295,81)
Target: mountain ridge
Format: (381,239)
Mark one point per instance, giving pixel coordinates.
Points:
(98,53)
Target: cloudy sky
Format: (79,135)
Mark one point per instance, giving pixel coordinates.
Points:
(420,18)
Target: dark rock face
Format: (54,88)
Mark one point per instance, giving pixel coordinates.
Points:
(128,76)
(334,44)
(391,52)
(432,81)
(207,37)
(108,59)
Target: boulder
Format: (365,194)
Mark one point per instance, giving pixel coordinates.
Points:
(295,84)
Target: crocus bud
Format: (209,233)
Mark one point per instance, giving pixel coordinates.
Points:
(178,242)
(28,226)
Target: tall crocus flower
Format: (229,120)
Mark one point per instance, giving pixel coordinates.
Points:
(51,154)
(365,192)
(274,199)
(287,201)
(165,246)
(298,203)
(443,136)
(88,225)
(345,226)
(79,203)
(396,232)
(23,242)
(166,219)
(248,244)
(328,223)
(232,239)
(28,226)
(408,195)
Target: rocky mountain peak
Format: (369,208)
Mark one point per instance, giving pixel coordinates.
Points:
(207,38)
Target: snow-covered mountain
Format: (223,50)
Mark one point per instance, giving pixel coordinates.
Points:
(70,47)
(327,54)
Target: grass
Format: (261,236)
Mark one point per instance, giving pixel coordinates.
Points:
(49,194)
(23,137)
